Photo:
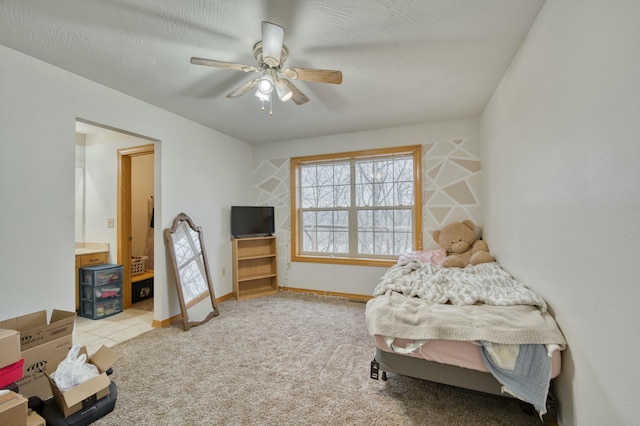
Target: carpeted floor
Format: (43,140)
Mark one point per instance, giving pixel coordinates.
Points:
(288,359)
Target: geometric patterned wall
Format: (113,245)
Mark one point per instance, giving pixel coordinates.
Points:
(451,191)
(451,185)
(271,186)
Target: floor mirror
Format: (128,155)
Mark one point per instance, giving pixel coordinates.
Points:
(185,246)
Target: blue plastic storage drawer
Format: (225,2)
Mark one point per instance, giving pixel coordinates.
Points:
(101,274)
(101,309)
(97,293)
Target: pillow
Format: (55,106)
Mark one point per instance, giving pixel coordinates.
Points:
(435,257)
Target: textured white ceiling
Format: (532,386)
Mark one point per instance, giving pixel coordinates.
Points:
(403,61)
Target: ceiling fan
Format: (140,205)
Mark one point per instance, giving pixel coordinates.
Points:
(271,53)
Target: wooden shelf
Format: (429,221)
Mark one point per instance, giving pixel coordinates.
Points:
(254,267)
(143,276)
(256,277)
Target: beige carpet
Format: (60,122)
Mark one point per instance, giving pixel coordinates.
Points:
(288,359)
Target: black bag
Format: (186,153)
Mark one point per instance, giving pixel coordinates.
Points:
(87,415)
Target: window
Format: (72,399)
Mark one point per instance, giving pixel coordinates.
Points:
(358,207)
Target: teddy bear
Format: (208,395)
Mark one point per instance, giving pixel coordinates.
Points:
(463,248)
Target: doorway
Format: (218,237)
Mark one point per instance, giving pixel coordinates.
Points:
(136,213)
(117,165)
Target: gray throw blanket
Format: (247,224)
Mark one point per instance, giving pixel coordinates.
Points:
(529,379)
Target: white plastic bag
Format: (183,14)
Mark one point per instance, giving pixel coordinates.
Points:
(73,370)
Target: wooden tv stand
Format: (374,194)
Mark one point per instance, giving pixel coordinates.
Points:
(255,272)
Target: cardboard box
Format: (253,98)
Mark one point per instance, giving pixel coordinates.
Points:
(43,345)
(9,347)
(39,360)
(34,329)
(13,409)
(34,419)
(86,393)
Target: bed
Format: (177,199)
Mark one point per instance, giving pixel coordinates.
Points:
(475,327)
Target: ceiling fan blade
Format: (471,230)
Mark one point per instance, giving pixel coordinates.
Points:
(243,89)
(221,64)
(272,39)
(298,97)
(314,75)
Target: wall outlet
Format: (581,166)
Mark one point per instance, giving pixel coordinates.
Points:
(110,223)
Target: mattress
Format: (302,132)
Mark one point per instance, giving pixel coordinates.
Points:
(453,352)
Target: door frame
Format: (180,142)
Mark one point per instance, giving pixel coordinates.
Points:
(124,214)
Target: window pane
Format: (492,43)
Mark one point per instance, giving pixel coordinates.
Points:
(342,195)
(307,175)
(364,195)
(383,243)
(342,174)
(402,243)
(325,174)
(383,220)
(325,231)
(402,220)
(383,194)
(365,220)
(308,230)
(325,242)
(325,196)
(365,243)
(364,171)
(383,170)
(403,170)
(404,194)
(308,197)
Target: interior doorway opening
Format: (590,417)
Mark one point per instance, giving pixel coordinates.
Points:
(117,205)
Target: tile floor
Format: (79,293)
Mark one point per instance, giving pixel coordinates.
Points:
(111,330)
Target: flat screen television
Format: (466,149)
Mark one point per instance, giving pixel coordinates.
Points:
(252,221)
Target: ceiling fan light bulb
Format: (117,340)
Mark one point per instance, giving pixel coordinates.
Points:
(265,85)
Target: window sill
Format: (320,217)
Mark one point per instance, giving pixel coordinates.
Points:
(344,261)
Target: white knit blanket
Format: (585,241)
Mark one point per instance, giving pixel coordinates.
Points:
(421,301)
(393,314)
(486,283)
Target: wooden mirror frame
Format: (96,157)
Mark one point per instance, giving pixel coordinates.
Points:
(208,291)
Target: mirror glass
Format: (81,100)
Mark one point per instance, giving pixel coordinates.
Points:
(185,246)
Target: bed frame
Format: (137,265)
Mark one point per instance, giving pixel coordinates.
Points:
(452,375)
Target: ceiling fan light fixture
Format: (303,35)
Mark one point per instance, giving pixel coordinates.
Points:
(264,97)
(265,84)
(284,92)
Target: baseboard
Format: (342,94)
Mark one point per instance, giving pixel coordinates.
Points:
(165,322)
(352,296)
(225,297)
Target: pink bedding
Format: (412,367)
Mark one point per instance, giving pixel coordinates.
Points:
(453,352)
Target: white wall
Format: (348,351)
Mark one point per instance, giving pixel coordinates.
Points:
(562,167)
(442,141)
(38,109)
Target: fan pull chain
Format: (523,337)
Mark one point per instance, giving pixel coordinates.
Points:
(262,105)
(270,106)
